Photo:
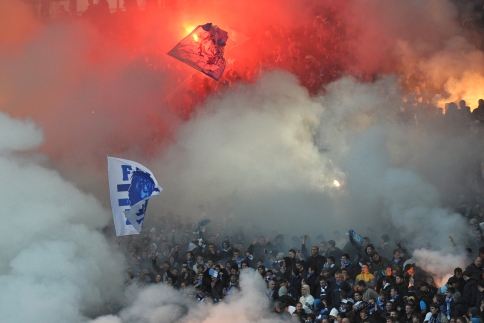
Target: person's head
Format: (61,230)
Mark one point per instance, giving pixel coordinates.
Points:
(382,296)
(399,279)
(416,318)
(305,290)
(295,271)
(338,276)
(299,265)
(280,307)
(460,319)
(345,259)
(322,281)
(391,319)
(292,253)
(397,254)
(363,314)
(234,277)
(211,247)
(271,284)
(375,256)
(365,269)
(388,271)
(478,262)
(466,274)
(312,269)
(450,292)
(369,249)
(394,313)
(458,272)
(314,251)
(299,307)
(393,291)
(330,260)
(357,296)
(262,240)
(189,255)
(408,309)
(244,265)
(158,278)
(438,298)
(210,262)
(361,286)
(388,306)
(434,308)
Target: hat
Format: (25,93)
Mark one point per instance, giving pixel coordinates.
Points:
(334,312)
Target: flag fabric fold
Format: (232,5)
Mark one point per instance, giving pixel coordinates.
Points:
(203,49)
(131,185)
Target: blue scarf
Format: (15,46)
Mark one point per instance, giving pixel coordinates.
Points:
(447,311)
(345,262)
(380,304)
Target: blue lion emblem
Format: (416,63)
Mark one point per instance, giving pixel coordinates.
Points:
(142,186)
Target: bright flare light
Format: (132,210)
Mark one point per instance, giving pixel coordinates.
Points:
(189,29)
(336,183)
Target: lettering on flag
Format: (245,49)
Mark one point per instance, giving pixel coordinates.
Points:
(131,185)
(203,49)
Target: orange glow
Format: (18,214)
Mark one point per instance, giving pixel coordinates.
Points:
(195,37)
(189,29)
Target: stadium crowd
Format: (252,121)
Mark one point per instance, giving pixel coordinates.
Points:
(347,278)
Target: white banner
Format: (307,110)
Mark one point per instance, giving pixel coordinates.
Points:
(131,185)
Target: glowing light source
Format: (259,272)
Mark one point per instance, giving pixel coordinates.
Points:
(336,183)
(195,37)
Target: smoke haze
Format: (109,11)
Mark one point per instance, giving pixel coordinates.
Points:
(262,155)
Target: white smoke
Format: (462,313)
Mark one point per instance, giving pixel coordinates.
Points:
(159,303)
(55,266)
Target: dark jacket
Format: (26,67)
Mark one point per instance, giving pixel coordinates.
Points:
(469,296)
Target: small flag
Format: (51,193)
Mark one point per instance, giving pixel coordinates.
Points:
(131,185)
(203,49)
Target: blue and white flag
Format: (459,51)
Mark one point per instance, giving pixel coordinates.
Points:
(131,185)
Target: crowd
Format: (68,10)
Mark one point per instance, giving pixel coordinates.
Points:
(346,278)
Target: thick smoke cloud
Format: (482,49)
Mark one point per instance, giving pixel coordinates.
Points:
(55,262)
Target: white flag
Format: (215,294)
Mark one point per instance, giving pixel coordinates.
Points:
(131,185)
